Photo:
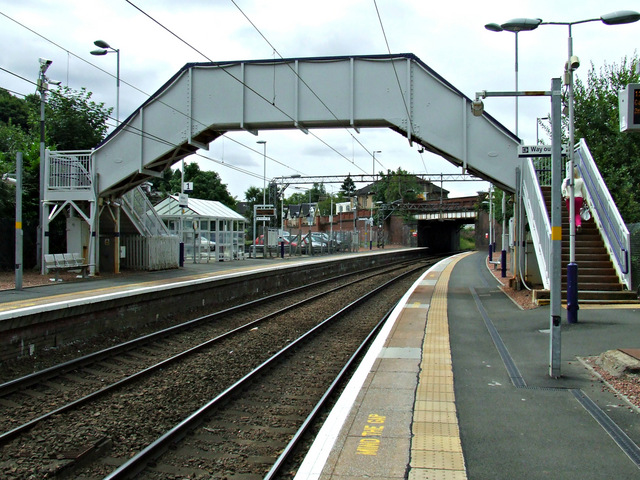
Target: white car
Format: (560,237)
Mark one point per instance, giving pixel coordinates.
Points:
(207,244)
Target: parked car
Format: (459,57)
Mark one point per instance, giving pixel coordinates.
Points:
(288,241)
(334,242)
(317,243)
(206,244)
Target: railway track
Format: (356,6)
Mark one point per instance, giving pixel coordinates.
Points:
(99,430)
(34,395)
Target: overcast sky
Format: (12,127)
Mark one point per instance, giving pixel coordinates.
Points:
(448,36)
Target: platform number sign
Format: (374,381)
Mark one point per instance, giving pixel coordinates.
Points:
(629,103)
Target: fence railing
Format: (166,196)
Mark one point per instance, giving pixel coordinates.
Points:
(69,170)
(150,253)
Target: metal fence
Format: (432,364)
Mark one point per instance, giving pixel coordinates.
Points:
(69,171)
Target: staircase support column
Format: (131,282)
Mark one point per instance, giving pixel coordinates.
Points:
(572,293)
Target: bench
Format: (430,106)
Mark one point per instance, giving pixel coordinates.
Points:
(58,262)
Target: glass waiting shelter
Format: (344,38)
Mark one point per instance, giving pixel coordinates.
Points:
(211,231)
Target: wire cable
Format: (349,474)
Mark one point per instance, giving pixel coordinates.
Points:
(395,71)
(231,75)
(301,80)
(128,84)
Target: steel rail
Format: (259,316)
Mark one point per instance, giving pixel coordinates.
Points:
(136,464)
(46,374)
(11,434)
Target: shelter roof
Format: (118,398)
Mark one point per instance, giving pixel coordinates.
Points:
(170,207)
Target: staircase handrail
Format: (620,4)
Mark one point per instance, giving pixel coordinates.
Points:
(605,213)
(142,213)
(539,223)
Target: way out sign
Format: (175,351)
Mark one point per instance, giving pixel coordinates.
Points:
(537,150)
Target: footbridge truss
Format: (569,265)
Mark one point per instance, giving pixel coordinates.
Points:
(203,101)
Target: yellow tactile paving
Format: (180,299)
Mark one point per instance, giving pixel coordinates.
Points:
(429,474)
(436,450)
(437,460)
(438,443)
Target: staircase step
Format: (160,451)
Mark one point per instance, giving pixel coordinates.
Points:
(598,281)
(592,280)
(542,297)
(594,245)
(587,261)
(601,266)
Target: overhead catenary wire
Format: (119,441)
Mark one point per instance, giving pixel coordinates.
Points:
(137,131)
(135,88)
(237,79)
(275,51)
(395,71)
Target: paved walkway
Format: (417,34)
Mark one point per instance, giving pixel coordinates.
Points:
(458,387)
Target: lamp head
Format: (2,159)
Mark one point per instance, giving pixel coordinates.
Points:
(620,17)
(521,24)
(101,44)
(574,62)
(494,27)
(477,108)
(98,52)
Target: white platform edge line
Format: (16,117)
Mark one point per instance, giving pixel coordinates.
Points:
(316,458)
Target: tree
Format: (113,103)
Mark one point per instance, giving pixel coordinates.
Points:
(596,120)
(401,186)
(396,186)
(13,111)
(253,196)
(73,121)
(317,192)
(348,187)
(207,185)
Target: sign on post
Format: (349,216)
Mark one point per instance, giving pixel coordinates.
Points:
(537,150)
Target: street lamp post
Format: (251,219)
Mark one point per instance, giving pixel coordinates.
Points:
(615,18)
(43,88)
(523,26)
(104,49)
(371,211)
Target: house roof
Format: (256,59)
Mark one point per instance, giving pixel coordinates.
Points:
(303,210)
(170,207)
(425,184)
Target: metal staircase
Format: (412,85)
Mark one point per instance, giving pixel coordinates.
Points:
(138,208)
(598,281)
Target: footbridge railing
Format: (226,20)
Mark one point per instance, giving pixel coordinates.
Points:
(539,222)
(605,213)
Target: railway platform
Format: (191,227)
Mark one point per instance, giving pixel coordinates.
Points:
(456,385)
